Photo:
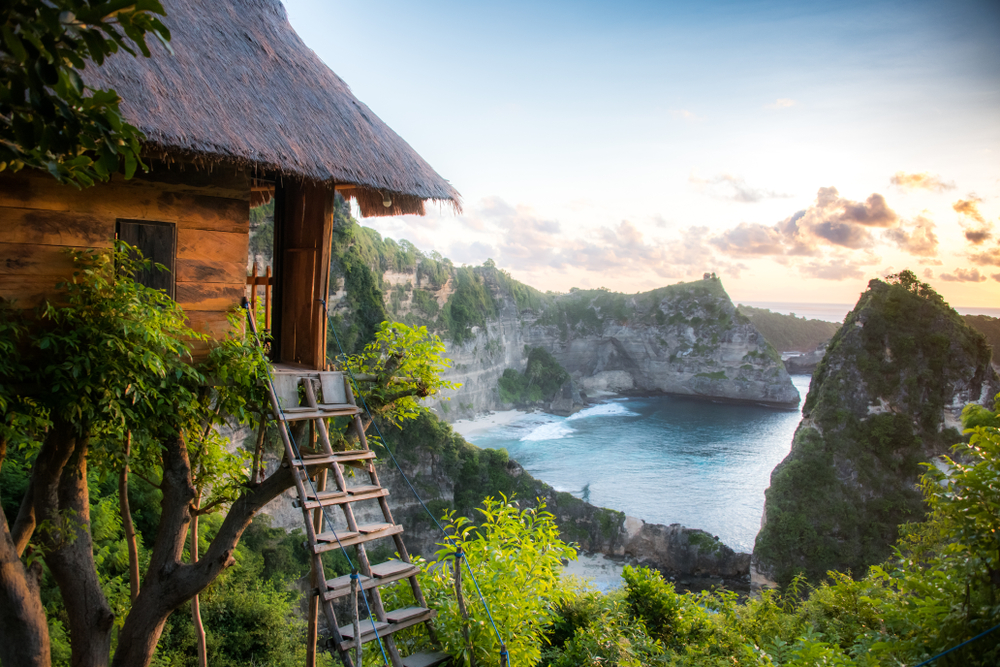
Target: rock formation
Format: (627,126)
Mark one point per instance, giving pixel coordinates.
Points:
(886,397)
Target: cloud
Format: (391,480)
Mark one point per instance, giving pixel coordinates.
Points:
(920,240)
(734,188)
(836,270)
(520,239)
(685,115)
(921,181)
(963,276)
(830,221)
(977,230)
(969,208)
(928,274)
(990,257)
(780,103)
(995,276)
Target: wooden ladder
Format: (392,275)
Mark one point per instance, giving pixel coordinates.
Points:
(314,464)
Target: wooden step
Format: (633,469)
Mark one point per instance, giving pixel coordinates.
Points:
(336,457)
(328,541)
(323,499)
(349,497)
(413,616)
(365,627)
(382,575)
(425,659)
(340,411)
(405,614)
(362,488)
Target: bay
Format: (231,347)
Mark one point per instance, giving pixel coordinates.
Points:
(663,459)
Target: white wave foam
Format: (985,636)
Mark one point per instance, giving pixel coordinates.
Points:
(604,410)
(550,431)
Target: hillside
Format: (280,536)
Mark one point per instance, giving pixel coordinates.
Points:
(789,333)
(885,398)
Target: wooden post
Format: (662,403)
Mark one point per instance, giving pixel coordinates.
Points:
(356,621)
(253,288)
(461,605)
(267,298)
(313,630)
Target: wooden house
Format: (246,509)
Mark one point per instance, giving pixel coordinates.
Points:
(241,112)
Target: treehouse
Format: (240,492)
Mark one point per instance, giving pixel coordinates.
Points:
(240,113)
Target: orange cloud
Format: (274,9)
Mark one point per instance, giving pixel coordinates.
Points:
(921,181)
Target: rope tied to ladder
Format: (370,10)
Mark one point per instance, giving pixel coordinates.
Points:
(342,358)
(304,475)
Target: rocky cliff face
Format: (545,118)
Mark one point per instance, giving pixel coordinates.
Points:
(686,339)
(886,397)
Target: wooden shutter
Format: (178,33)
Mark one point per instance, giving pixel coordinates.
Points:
(156,241)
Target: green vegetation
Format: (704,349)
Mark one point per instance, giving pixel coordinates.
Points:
(788,332)
(51,120)
(470,305)
(542,378)
(937,590)
(990,328)
(837,499)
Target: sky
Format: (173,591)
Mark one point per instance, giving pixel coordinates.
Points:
(795,149)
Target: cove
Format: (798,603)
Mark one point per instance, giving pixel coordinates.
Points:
(663,459)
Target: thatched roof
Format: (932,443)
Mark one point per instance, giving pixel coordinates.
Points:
(242,87)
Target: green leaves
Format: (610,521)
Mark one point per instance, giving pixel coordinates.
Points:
(48,118)
(406,365)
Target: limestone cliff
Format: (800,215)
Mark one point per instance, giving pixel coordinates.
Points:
(685,339)
(886,397)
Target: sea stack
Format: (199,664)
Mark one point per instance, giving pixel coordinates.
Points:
(887,397)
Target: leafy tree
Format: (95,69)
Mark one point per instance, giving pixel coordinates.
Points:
(50,119)
(516,556)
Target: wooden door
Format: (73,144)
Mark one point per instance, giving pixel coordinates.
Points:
(303,220)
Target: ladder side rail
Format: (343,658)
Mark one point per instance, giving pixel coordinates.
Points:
(404,555)
(418,594)
(324,434)
(298,474)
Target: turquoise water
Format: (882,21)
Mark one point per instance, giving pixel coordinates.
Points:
(662,459)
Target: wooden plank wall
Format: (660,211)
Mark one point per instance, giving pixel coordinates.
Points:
(40,219)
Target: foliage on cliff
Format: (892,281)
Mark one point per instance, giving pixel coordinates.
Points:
(990,328)
(787,332)
(874,413)
(542,378)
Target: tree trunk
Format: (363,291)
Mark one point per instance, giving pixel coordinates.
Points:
(126,512)
(169,582)
(70,557)
(199,627)
(22,617)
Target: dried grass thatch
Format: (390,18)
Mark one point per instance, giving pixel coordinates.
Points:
(243,88)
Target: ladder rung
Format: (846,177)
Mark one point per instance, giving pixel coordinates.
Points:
(366,627)
(337,537)
(425,659)
(391,568)
(373,528)
(341,411)
(341,586)
(339,457)
(402,615)
(323,499)
(366,488)
(351,497)
(367,635)
(329,539)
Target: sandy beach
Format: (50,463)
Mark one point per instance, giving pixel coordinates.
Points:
(598,570)
(466,427)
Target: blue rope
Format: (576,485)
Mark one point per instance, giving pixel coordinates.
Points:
(298,453)
(955,648)
(364,404)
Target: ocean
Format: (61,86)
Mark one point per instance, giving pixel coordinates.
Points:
(836,312)
(662,459)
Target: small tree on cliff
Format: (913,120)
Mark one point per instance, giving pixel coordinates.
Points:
(105,382)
